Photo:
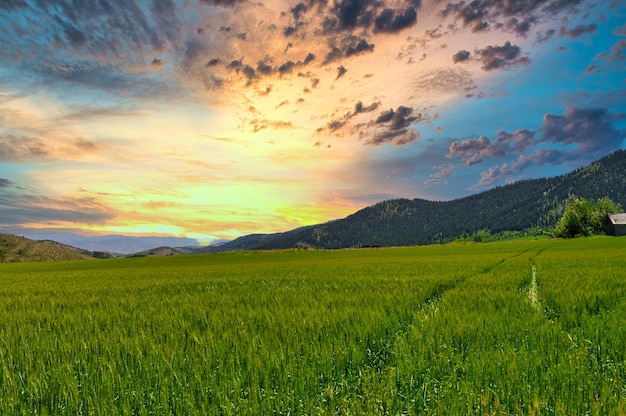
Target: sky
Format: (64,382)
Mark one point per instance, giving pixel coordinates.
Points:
(212,119)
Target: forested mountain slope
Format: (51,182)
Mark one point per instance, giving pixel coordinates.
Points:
(518,206)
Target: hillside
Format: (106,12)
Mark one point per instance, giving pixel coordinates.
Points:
(156,252)
(515,207)
(19,249)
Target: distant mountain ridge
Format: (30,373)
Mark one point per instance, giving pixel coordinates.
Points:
(514,207)
(119,244)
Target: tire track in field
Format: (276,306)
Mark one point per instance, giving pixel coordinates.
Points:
(585,347)
(428,308)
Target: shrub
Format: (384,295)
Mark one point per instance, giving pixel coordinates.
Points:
(583,217)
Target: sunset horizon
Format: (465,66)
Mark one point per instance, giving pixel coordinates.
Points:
(213,119)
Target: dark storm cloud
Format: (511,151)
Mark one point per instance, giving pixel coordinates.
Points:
(461,56)
(369,15)
(401,118)
(395,127)
(391,21)
(263,68)
(348,14)
(348,46)
(578,31)
(298,10)
(501,57)
(341,71)
(249,73)
(309,58)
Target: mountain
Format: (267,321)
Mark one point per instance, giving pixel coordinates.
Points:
(159,251)
(514,207)
(20,249)
(121,244)
(250,241)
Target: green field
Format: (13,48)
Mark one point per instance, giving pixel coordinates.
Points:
(525,327)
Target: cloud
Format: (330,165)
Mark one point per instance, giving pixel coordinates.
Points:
(341,71)
(578,31)
(348,46)
(222,3)
(517,16)
(509,172)
(591,130)
(398,137)
(359,108)
(5,183)
(372,15)
(390,20)
(495,57)
(620,30)
(461,56)
(577,137)
(473,151)
(543,37)
(22,148)
(392,126)
(520,27)
(444,81)
(440,178)
(19,205)
(613,59)
(13,4)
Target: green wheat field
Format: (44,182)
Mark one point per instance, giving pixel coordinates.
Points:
(533,327)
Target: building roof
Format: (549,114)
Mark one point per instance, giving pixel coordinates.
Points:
(618,219)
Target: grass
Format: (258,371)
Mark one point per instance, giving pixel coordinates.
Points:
(423,330)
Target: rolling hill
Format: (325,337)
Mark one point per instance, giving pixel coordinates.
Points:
(19,249)
(515,207)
